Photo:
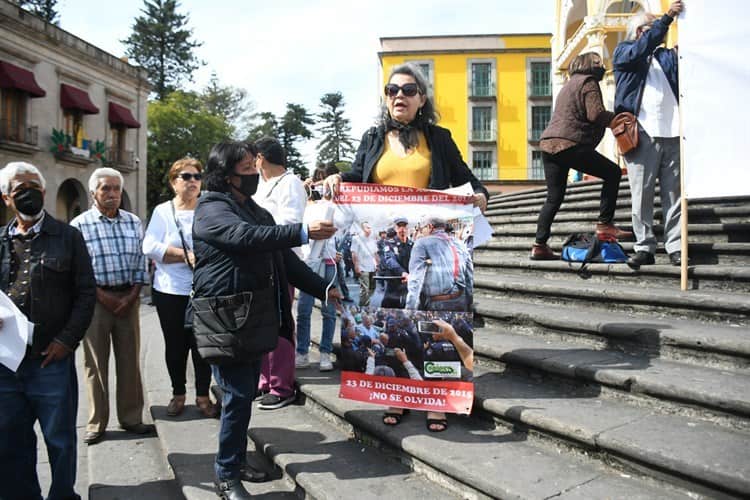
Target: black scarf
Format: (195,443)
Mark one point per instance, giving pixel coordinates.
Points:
(408,135)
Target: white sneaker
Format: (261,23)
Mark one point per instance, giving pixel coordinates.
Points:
(325,362)
(301,360)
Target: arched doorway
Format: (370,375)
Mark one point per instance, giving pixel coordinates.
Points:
(72,200)
(125,202)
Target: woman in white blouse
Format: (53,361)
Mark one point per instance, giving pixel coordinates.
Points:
(169,242)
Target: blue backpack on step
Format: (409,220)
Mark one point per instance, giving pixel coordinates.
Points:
(587,248)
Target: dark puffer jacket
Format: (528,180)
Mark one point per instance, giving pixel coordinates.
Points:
(239,248)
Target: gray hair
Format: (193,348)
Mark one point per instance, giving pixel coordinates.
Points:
(428,114)
(637,21)
(435,221)
(101,173)
(15,168)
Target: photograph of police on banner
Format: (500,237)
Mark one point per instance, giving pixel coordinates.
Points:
(426,265)
(418,345)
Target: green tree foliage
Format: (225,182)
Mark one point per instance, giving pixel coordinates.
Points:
(163,45)
(265,124)
(293,128)
(46,9)
(231,103)
(179,125)
(336,143)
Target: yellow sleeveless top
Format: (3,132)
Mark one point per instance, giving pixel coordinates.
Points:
(411,171)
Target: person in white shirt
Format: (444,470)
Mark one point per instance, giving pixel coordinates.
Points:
(169,242)
(646,77)
(365,260)
(283,194)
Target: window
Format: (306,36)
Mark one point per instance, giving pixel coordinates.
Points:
(540,116)
(482,165)
(540,79)
(426,68)
(73,125)
(481,123)
(536,171)
(481,80)
(117,149)
(13,123)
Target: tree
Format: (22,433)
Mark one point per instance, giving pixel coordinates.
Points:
(293,128)
(265,124)
(179,125)
(231,103)
(46,9)
(163,45)
(336,143)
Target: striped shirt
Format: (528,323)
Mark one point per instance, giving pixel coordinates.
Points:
(115,246)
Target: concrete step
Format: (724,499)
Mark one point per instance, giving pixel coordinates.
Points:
(330,461)
(734,233)
(684,387)
(700,343)
(688,449)
(729,278)
(695,304)
(482,460)
(589,211)
(736,254)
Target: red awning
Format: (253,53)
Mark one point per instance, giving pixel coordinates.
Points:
(120,116)
(76,99)
(13,77)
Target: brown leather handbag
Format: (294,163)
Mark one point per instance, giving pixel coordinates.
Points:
(625,129)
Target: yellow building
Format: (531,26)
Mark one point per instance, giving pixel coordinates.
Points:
(493,92)
(596,26)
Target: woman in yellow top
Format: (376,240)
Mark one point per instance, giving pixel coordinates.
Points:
(407,148)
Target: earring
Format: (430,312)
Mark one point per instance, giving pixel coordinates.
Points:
(420,112)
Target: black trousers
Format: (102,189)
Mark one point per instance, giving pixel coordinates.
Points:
(584,159)
(179,342)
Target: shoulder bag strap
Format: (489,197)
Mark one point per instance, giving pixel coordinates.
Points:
(182,236)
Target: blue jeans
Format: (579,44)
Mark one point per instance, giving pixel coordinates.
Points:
(50,395)
(304,310)
(239,383)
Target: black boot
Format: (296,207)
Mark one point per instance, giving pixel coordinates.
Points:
(232,490)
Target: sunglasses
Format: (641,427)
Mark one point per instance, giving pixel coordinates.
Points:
(187,176)
(409,89)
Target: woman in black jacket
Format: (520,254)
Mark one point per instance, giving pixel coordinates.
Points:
(243,267)
(407,148)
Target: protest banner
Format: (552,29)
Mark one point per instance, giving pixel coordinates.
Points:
(411,347)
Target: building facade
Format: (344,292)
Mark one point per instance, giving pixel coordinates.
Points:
(68,108)
(596,26)
(493,92)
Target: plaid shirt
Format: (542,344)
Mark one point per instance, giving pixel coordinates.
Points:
(115,246)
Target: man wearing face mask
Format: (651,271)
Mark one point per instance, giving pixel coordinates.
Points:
(569,141)
(114,239)
(46,271)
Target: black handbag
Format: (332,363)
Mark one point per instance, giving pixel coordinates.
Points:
(189,314)
(234,328)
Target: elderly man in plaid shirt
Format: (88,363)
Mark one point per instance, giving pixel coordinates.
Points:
(114,239)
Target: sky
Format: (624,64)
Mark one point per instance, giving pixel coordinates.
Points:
(295,51)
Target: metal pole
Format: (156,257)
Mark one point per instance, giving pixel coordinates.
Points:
(683,197)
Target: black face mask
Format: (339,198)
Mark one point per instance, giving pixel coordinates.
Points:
(29,201)
(598,72)
(248,184)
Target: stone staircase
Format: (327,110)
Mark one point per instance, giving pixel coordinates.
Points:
(619,386)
